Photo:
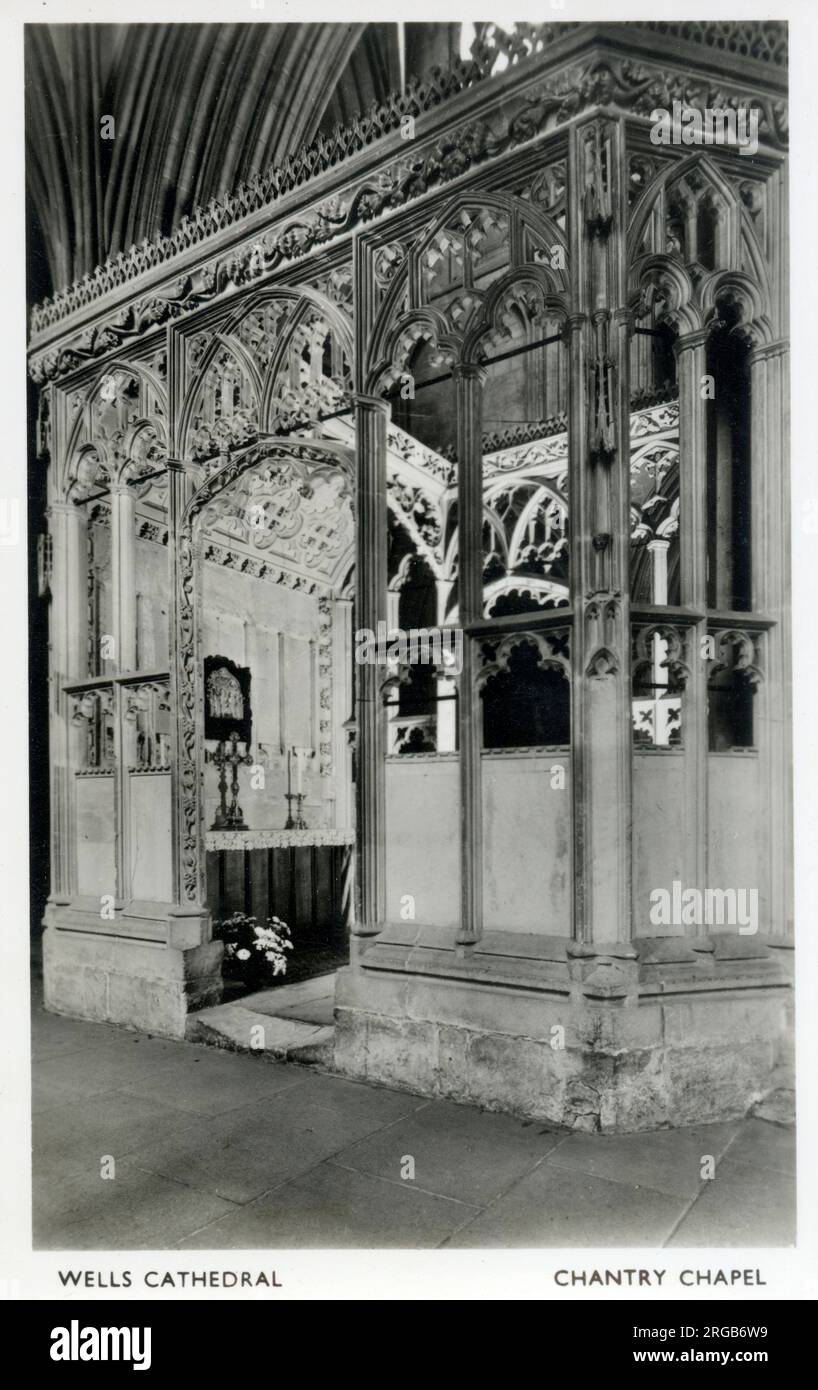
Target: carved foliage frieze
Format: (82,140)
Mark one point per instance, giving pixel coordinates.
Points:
(632,86)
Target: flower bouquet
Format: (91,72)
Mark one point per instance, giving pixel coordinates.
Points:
(254,953)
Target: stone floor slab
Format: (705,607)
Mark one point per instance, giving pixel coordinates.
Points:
(134,1211)
(368,1106)
(70,1138)
(243,1153)
(457,1151)
(208,1081)
(108,1065)
(741,1208)
(333,1208)
(237,1155)
(759,1144)
(53,1036)
(558,1207)
(668,1161)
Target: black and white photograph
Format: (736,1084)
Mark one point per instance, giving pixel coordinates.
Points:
(407,519)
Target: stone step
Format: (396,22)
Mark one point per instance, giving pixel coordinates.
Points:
(241,1029)
(281,997)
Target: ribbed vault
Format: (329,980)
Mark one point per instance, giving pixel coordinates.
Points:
(198,108)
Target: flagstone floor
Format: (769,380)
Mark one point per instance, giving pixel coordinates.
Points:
(218,1150)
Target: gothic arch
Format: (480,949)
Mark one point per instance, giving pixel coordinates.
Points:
(337,323)
(674,174)
(410,329)
(682,279)
(76,445)
(186,675)
(301,299)
(407,281)
(741,293)
(658,276)
(488,319)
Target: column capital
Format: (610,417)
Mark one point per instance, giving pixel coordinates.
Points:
(469,371)
(763,351)
(120,488)
(67,507)
(373,403)
(686,342)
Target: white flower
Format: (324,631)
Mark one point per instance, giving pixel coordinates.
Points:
(243,954)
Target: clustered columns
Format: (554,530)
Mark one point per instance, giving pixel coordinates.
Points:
(691,367)
(67,639)
(769,472)
(469,384)
(371,419)
(598,332)
(770,560)
(123,564)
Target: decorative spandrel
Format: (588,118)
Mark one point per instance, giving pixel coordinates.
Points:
(300,513)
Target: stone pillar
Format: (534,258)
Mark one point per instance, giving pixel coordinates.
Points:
(691,366)
(123,580)
(342,709)
(123,566)
(392,710)
(599,489)
(468,385)
(392,609)
(658,549)
(446,689)
(769,480)
(371,419)
(68,658)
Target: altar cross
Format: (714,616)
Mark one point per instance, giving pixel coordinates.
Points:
(227,755)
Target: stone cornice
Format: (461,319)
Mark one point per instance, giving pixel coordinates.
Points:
(262,228)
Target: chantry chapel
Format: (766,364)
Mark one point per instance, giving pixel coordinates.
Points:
(464,347)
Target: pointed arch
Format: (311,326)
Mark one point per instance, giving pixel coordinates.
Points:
(186,676)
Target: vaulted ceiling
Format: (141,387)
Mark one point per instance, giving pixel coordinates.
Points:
(197,109)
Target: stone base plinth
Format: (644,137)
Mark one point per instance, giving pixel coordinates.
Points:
(141,984)
(591,1050)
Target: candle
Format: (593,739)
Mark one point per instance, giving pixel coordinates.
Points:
(299,768)
(289,772)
